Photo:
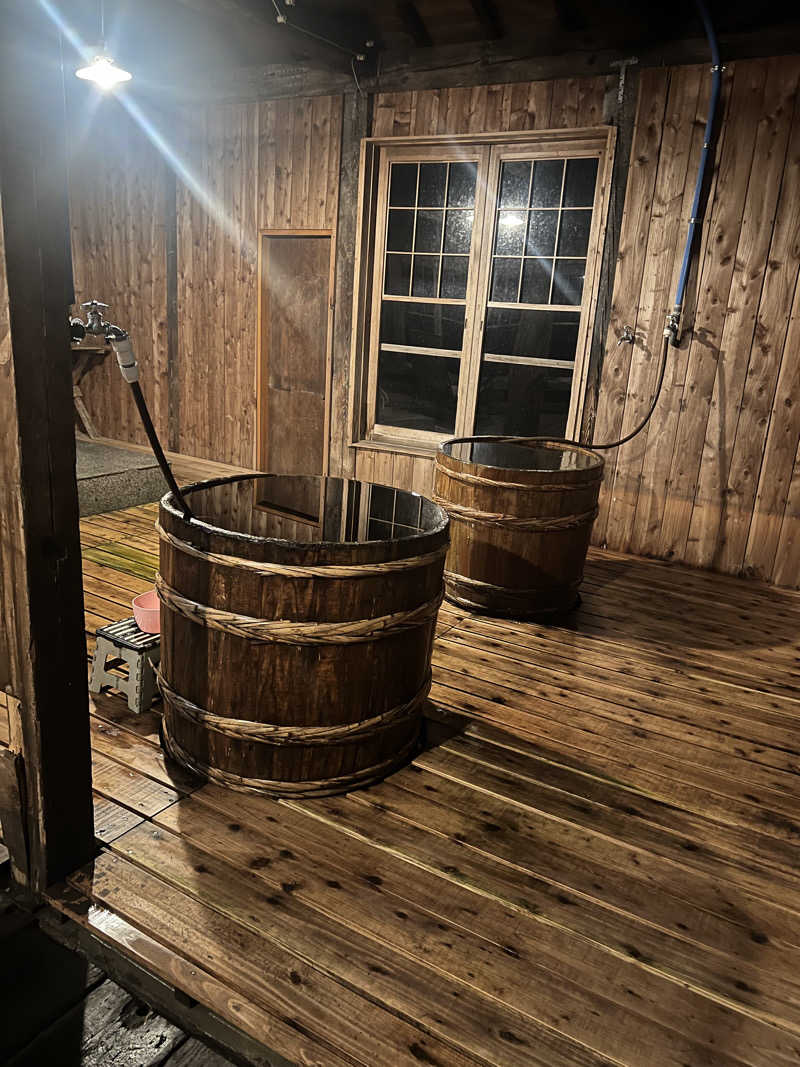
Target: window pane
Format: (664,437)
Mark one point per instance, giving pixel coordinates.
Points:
(426,276)
(454,277)
(568,281)
(398,274)
(458,231)
(400,232)
(510,233)
(539,334)
(542,233)
(547,174)
(417,392)
(461,188)
(573,237)
(536,281)
(422,325)
(429,231)
(514,181)
(505,280)
(518,399)
(432,177)
(403,188)
(580,182)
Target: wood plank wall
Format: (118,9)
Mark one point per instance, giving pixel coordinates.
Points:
(715,479)
(260,165)
(117,188)
(267,165)
(539,105)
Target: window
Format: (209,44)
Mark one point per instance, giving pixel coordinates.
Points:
(479,285)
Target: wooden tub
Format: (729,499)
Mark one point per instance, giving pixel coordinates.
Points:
(297,621)
(522,511)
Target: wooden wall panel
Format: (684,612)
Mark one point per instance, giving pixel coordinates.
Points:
(246,166)
(266,165)
(117,190)
(713,481)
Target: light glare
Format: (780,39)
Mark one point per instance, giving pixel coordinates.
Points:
(103,72)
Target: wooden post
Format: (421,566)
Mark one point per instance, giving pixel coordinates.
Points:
(42,601)
(356,124)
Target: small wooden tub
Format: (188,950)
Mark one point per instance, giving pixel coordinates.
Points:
(522,511)
(297,622)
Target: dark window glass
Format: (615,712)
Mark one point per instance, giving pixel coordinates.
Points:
(573,237)
(418,392)
(458,231)
(426,276)
(514,181)
(580,182)
(403,187)
(522,400)
(432,178)
(429,231)
(454,277)
(400,233)
(408,510)
(541,233)
(461,188)
(539,334)
(568,281)
(510,234)
(505,280)
(547,175)
(422,325)
(536,281)
(398,274)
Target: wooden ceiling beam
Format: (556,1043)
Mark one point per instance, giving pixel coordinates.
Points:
(487,62)
(414,24)
(489,17)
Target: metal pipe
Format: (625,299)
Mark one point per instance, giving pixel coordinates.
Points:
(672,329)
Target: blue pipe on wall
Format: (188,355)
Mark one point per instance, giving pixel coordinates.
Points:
(673,322)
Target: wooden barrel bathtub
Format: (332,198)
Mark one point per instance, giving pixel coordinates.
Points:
(297,623)
(521,513)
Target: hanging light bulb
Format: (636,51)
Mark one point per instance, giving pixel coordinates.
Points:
(103,71)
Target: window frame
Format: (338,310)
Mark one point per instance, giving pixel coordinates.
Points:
(490,151)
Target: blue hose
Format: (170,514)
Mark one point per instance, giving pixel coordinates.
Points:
(716,85)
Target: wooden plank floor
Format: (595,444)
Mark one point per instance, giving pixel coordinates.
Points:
(595,861)
(60,1009)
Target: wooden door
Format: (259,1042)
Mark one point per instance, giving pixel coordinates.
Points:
(295,323)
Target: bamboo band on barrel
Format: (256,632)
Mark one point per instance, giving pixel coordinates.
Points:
(548,487)
(292,632)
(516,522)
(299,570)
(453,578)
(275,734)
(318,786)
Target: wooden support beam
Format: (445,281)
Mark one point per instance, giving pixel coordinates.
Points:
(42,600)
(414,24)
(622,115)
(489,18)
(171,248)
(482,63)
(356,124)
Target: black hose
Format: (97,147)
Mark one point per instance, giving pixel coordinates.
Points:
(158,451)
(629,437)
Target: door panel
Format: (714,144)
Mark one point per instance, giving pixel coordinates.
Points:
(294,334)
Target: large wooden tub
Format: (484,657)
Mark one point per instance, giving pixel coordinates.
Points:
(297,622)
(522,511)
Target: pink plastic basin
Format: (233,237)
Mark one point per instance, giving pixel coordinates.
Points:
(146,612)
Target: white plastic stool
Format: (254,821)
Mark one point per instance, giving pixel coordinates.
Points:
(123,642)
